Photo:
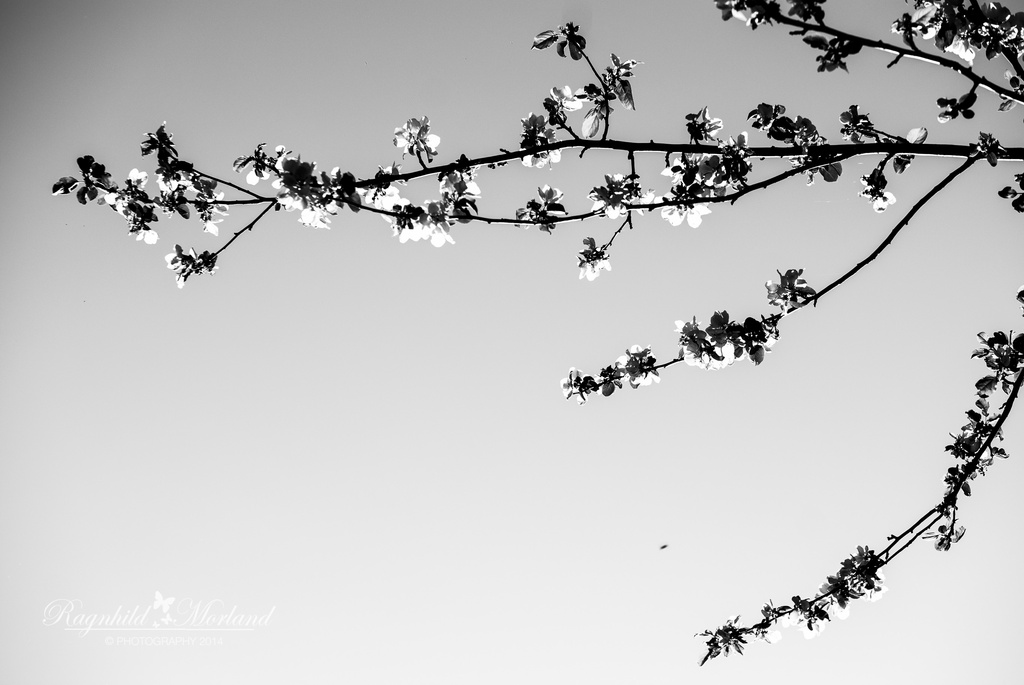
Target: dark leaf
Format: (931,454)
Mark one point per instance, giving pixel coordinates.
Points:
(757,354)
(831,172)
(817,42)
(65,185)
(986,386)
(625,93)
(544,40)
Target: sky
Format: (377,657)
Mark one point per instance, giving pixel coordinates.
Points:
(362,444)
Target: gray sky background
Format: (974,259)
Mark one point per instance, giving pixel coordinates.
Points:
(369,438)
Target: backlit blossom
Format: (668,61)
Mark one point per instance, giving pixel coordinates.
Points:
(638,365)
(565,99)
(414,137)
(592,260)
(615,195)
(536,133)
(692,215)
(876,594)
(186,264)
(961,49)
(702,127)
(813,631)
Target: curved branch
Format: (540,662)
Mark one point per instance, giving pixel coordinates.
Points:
(892,234)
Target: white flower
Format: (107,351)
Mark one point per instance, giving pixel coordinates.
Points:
(876,594)
(676,214)
(961,49)
(414,137)
(812,632)
(148,236)
(440,236)
(387,200)
(565,98)
(317,217)
(138,178)
(593,269)
(884,200)
(255,177)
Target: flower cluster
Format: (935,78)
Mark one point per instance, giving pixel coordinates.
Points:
(761,11)
(135,205)
(263,165)
(725,639)
(459,193)
(208,204)
(174,178)
(791,292)
(697,176)
(637,367)
(414,138)
(874,190)
(618,192)
(433,220)
(592,259)
(973,446)
(186,264)
(162,143)
(800,132)
(542,211)
(675,214)
(732,162)
(723,341)
(808,10)
(702,127)
(693,177)
(561,101)
(858,578)
(963,30)
(299,188)
(857,127)
(989,148)
(537,133)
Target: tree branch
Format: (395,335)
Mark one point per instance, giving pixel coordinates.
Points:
(899,227)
